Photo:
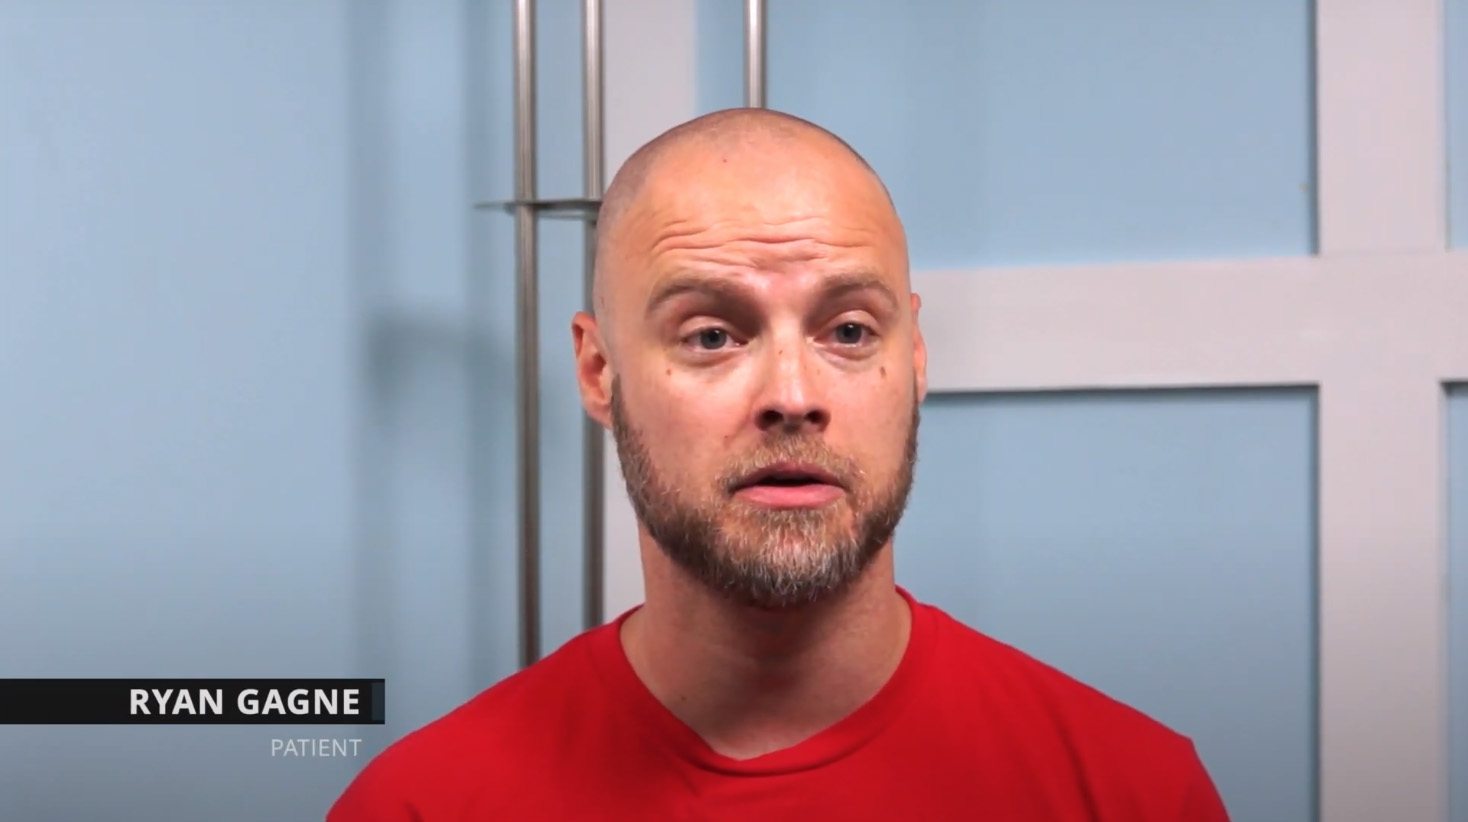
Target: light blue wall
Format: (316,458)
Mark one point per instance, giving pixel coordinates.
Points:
(1055,131)
(256,377)
(1157,545)
(1456,51)
(1458,598)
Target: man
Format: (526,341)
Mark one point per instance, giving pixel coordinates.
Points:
(755,350)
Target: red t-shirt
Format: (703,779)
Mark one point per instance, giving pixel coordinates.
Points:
(966,728)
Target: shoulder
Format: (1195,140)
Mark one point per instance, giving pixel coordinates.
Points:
(1119,753)
(969,658)
(441,765)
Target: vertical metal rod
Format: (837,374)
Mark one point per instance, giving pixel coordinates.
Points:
(527,375)
(593,562)
(754,53)
(591,63)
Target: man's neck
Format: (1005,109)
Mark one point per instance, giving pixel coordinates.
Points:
(750,681)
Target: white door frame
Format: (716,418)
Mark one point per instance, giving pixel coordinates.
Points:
(1377,322)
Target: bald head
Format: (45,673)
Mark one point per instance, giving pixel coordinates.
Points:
(733,150)
(753,307)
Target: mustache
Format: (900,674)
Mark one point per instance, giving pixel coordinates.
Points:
(800,450)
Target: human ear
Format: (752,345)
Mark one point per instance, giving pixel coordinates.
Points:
(919,350)
(593,368)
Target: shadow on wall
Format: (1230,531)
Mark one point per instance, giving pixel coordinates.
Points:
(434,442)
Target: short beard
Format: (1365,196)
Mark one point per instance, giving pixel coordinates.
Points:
(769,558)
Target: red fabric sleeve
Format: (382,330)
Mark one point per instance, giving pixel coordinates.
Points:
(371,798)
(1202,803)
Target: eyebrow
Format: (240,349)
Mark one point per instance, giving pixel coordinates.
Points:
(723,288)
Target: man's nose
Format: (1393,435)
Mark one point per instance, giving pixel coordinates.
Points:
(791,397)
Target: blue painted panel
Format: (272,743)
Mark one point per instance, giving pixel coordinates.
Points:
(1456,52)
(1157,545)
(1059,130)
(257,393)
(1458,601)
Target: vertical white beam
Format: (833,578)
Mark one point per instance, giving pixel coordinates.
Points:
(650,74)
(1380,123)
(650,71)
(1383,619)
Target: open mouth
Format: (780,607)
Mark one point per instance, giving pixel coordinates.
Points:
(790,486)
(787,482)
(785,475)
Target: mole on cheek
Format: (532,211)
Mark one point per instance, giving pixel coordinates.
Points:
(883,369)
(670,372)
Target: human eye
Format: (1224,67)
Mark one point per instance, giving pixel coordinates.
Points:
(710,338)
(852,334)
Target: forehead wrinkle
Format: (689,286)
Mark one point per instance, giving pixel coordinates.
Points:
(740,288)
(794,248)
(733,232)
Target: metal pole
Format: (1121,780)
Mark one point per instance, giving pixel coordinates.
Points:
(593,563)
(527,375)
(754,53)
(592,96)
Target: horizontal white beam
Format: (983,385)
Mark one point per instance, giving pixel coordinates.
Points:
(1237,322)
